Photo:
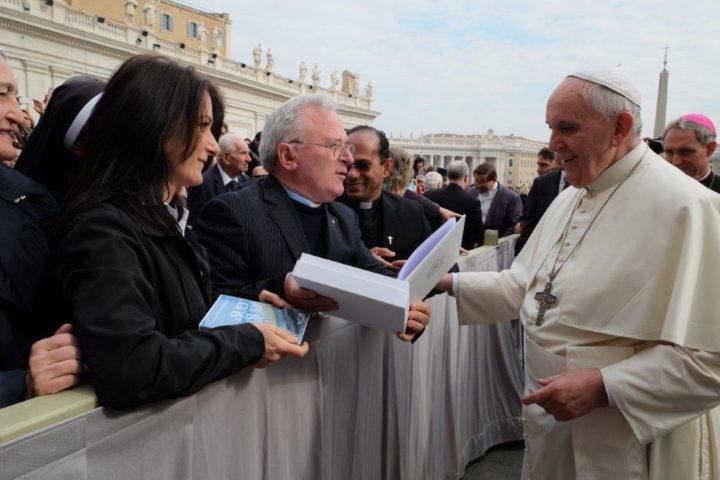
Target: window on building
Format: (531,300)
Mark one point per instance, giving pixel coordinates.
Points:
(510,162)
(192,29)
(166,22)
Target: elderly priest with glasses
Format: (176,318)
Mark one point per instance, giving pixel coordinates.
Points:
(617,290)
(255,235)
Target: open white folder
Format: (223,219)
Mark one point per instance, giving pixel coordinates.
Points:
(376,300)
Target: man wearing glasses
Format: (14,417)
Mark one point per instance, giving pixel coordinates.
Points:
(391,226)
(255,236)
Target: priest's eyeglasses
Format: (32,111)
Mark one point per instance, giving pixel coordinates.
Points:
(337,148)
(364,166)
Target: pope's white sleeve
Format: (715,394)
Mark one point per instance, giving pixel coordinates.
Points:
(664,387)
(490,297)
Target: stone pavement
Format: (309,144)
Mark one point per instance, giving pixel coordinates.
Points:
(502,462)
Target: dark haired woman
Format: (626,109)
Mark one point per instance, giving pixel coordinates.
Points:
(137,279)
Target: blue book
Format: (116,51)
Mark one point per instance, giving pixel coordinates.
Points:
(229,310)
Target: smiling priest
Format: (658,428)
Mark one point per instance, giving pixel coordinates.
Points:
(617,290)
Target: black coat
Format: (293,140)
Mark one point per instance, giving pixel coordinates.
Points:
(28,295)
(401,219)
(254,237)
(211,187)
(454,198)
(137,295)
(542,193)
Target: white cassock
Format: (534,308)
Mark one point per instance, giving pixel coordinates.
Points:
(639,299)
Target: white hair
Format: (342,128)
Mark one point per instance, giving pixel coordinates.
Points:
(282,125)
(433,181)
(227,143)
(608,103)
(457,170)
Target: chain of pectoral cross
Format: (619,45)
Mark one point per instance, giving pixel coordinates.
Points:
(546,298)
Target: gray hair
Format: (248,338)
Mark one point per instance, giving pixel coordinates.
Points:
(703,134)
(282,124)
(433,181)
(608,103)
(402,170)
(227,142)
(457,170)
(3,55)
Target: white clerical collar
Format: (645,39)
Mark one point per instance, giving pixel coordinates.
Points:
(366,205)
(619,170)
(706,175)
(300,199)
(225,177)
(182,222)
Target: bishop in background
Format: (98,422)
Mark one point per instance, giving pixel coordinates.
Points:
(616,288)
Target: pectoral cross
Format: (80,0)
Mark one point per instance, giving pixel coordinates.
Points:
(546,300)
(390,240)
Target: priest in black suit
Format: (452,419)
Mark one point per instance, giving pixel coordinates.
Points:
(455,198)
(542,193)
(254,236)
(227,175)
(392,227)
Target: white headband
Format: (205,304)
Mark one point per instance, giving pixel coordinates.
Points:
(80,120)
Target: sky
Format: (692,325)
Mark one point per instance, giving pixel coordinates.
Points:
(464,67)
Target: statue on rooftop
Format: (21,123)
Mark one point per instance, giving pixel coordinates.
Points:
(369,90)
(130,6)
(202,34)
(149,10)
(270,61)
(316,76)
(218,39)
(303,73)
(257,55)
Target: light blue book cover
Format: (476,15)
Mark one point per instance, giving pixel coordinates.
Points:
(228,310)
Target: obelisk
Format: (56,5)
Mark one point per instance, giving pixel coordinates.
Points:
(661,109)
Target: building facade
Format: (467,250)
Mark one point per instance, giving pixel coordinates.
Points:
(48,42)
(514,157)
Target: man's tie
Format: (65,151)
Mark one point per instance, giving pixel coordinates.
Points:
(231,186)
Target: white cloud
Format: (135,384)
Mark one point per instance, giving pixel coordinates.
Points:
(464,67)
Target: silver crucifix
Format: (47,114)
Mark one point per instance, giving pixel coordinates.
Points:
(546,300)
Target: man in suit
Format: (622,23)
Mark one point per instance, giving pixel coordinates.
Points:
(545,161)
(227,175)
(542,193)
(53,363)
(501,207)
(390,226)
(455,198)
(254,236)
(689,142)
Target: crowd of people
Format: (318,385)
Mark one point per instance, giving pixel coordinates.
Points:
(131,208)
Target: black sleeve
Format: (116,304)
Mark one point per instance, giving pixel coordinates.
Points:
(474,227)
(101,266)
(222,234)
(425,229)
(513,213)
(532,216)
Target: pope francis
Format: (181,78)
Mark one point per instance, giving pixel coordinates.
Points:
(617,289)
